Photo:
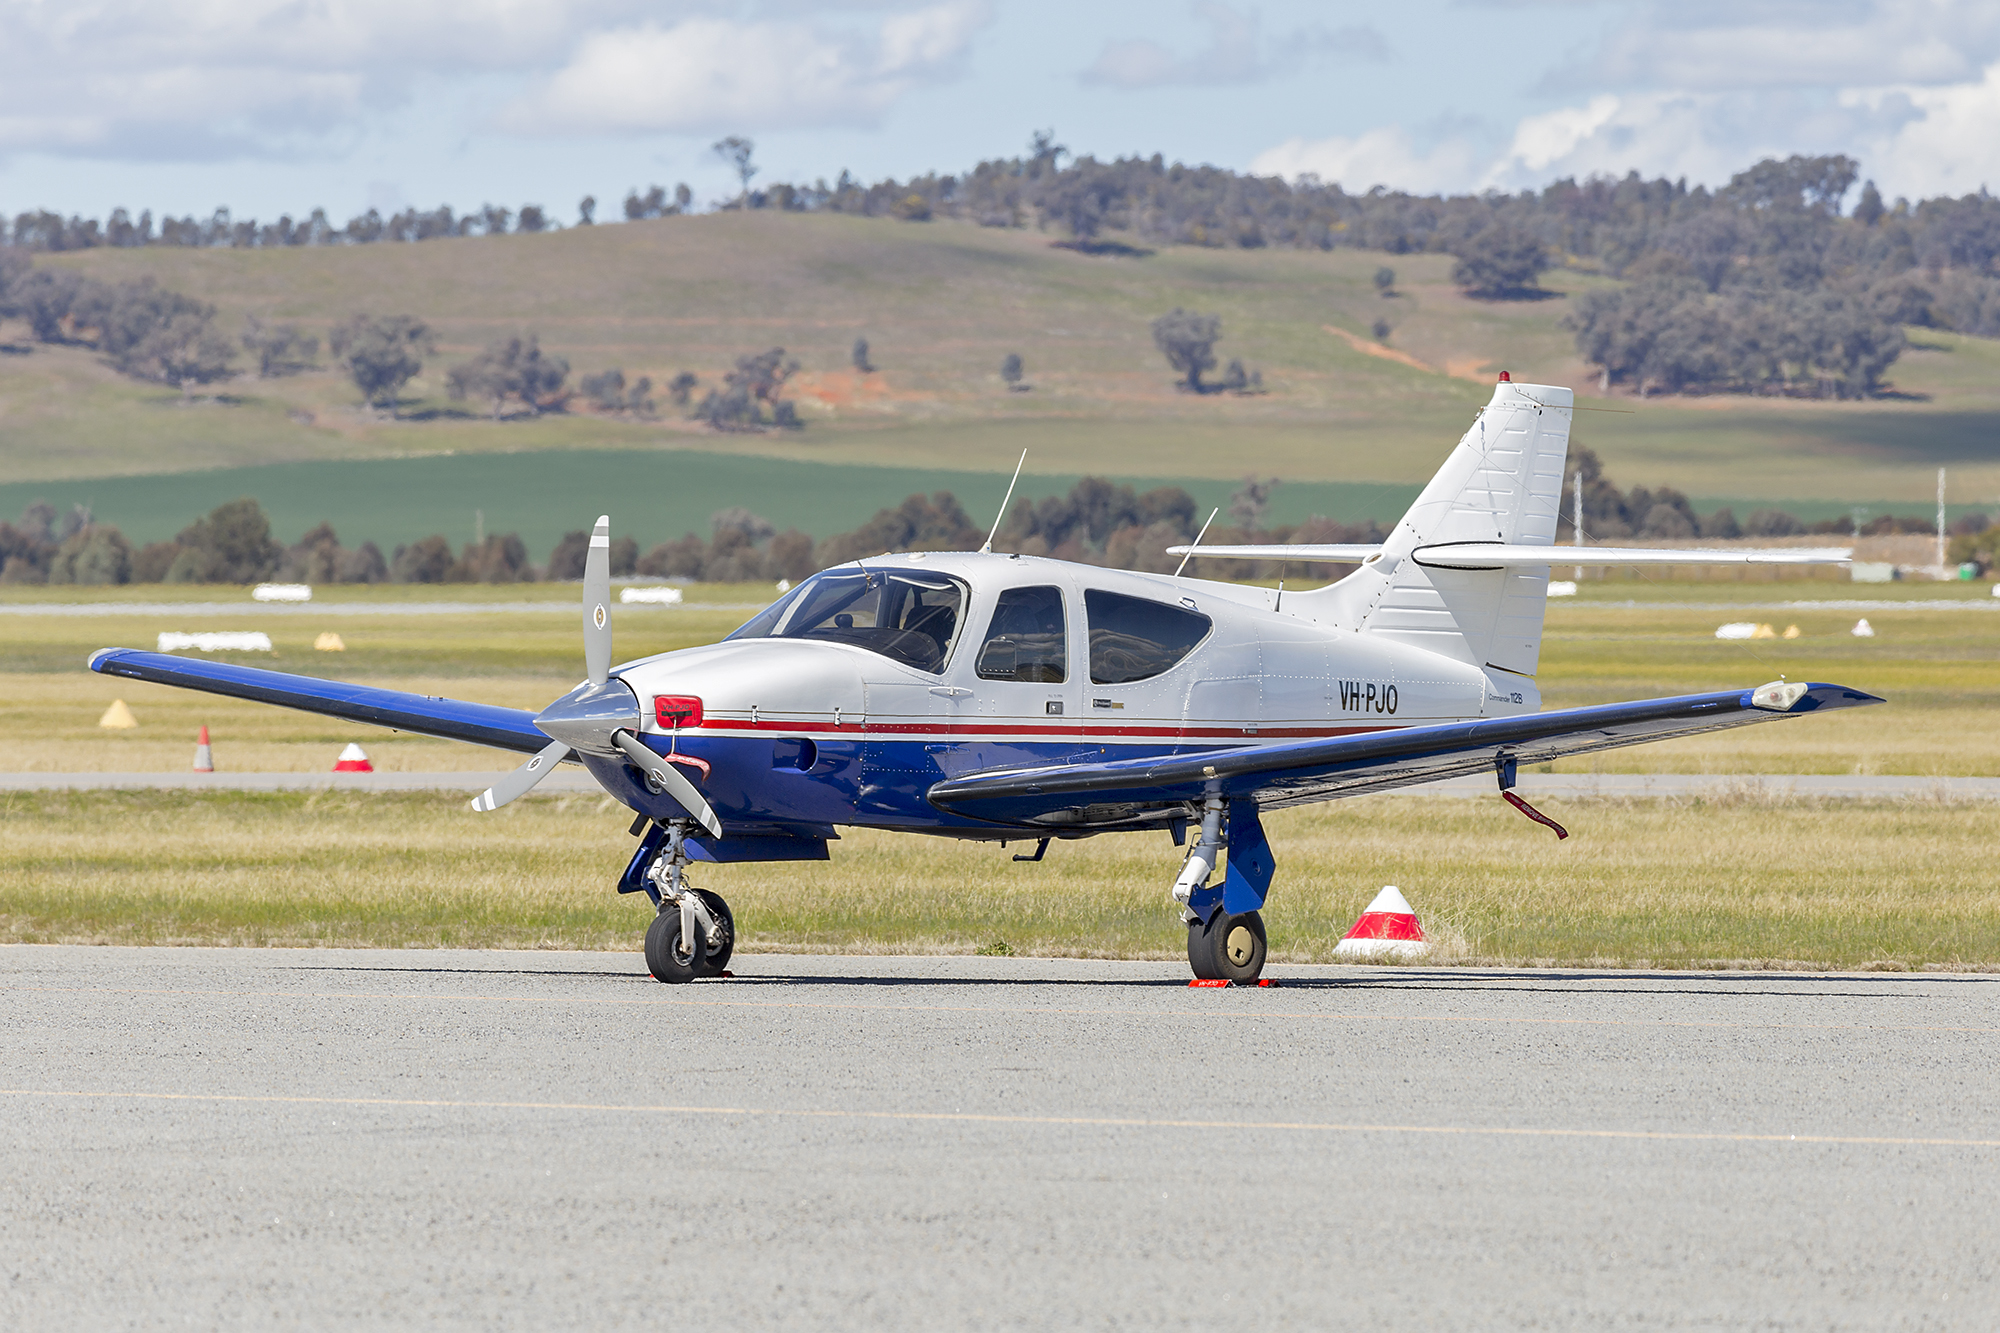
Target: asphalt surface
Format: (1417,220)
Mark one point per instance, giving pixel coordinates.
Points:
(1572,785)
(275,1138)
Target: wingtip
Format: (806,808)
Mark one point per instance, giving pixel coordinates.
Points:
(97,657)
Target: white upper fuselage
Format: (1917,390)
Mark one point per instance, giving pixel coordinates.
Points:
(1269,669)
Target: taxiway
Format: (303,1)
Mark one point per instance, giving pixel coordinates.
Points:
(326,1138)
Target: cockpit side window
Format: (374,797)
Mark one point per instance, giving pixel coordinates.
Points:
(909,617)
(1135,639)
(1027,638)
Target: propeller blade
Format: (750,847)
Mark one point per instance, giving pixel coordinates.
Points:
(670,780)
(597,603)
(521,779)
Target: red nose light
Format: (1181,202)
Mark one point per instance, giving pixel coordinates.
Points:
(677,710)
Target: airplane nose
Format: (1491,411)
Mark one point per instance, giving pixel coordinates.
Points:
(586,718)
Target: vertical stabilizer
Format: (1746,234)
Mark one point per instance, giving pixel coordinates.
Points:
(1503,483)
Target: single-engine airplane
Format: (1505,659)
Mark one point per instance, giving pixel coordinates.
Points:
(1007,698)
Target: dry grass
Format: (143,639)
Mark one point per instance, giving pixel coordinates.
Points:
(1656,883)
(941,304)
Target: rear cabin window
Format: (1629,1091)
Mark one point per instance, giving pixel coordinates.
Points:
(910,617)
(1134,639)
(1027,639)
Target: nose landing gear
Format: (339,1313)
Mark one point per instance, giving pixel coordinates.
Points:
(694,933)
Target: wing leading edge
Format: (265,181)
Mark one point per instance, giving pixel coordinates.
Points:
(422,714)
(1136,791)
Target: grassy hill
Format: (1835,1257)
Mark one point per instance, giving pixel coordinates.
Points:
(941,304)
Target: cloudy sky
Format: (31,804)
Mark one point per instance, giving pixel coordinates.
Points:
(268,106)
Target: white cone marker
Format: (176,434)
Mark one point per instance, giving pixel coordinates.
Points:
(353,760)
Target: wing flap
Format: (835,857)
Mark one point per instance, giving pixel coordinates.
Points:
(422,714)
(1129,791)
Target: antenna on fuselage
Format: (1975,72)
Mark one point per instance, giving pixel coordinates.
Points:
(1197,540)
(988,548)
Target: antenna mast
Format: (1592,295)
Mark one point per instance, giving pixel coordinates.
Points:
(1941,573)
(1002,517)
(1576,516)
(1197,540)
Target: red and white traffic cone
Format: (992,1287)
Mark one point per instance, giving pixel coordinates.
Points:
(353,760)
(204,762)
(1388,929)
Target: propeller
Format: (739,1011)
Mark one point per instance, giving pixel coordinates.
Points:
(522,778)
(597,603)
(670,780)
(600,716)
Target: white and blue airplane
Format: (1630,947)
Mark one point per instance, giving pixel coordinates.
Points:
(1011,698)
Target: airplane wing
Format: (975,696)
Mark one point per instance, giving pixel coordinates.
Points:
(1500,555)
(1122,793)
(422,714)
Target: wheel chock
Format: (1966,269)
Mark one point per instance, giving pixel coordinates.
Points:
(1218,981)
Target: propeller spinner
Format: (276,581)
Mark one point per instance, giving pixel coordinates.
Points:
(600,716)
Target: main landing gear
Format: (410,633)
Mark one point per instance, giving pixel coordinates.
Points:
(694,932)
(1226,940)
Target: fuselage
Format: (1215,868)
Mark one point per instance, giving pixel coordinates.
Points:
(811,717)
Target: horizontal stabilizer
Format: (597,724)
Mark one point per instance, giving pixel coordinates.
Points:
(421,714)
(1134,792)
(1499,555)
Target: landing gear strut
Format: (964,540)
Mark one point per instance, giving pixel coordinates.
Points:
(694,932)
(1226,939)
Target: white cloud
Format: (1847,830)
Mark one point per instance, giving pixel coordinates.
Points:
(1386,156)
(1717,46)
(1943,141)
(178,80)
(183,79)
(1702,89)
(714,74)
(1236,53)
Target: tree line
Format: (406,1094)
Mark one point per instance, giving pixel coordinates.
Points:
(1098,522)
(1763,285)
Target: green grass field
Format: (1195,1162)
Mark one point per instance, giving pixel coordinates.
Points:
(1661,883)
(941,304)
(1643,884)
(653,496)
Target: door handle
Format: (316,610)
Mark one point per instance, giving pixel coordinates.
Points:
(951,691)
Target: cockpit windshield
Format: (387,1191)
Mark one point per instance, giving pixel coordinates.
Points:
(905,615)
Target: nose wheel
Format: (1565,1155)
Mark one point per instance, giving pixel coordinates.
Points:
(669,955)
(1228,947)
(694,932)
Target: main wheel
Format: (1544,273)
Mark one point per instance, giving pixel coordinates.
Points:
(1228,948)
(716,957)
(1201,950)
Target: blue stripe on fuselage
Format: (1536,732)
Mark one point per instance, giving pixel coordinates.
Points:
(855,780)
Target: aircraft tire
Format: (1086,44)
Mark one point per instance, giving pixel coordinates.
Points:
(716,958)
(663,950)
(1201,949)
(1228,948)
